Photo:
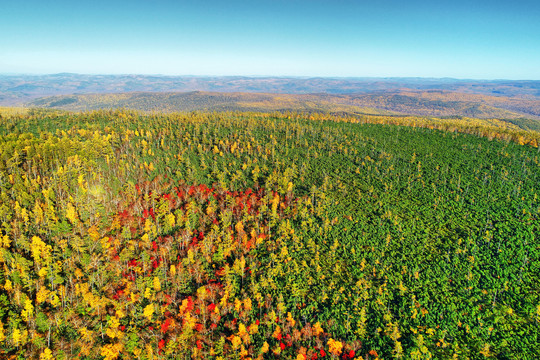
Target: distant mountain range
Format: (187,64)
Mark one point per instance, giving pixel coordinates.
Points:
(506,99)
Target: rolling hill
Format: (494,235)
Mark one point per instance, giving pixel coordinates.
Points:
(514,101)
(403,102)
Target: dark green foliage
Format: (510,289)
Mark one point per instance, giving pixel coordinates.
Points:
(416,239)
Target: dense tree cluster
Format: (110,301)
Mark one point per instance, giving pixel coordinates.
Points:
(259,236)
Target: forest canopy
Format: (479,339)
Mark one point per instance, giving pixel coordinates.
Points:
(255,235)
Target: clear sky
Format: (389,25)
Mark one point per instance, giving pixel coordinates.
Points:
(477,39)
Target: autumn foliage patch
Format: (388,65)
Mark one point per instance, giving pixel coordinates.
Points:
(219,236)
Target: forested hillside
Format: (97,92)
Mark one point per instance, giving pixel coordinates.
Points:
(502,99)
(523,112)
(256,235)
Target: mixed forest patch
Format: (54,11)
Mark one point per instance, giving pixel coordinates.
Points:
(224,235)
(402,102)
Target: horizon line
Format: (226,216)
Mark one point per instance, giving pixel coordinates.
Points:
(447,78)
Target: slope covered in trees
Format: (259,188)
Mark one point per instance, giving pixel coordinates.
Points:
(403,102)
(219,236)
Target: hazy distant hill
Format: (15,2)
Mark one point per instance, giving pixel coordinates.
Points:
(21,88)
(207,101)
(425,103)
(503,99)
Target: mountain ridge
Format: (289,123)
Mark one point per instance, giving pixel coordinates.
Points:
(22,88)
(447,97)
(398,103)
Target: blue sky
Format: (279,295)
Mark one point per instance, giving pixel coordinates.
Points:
(379,38)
